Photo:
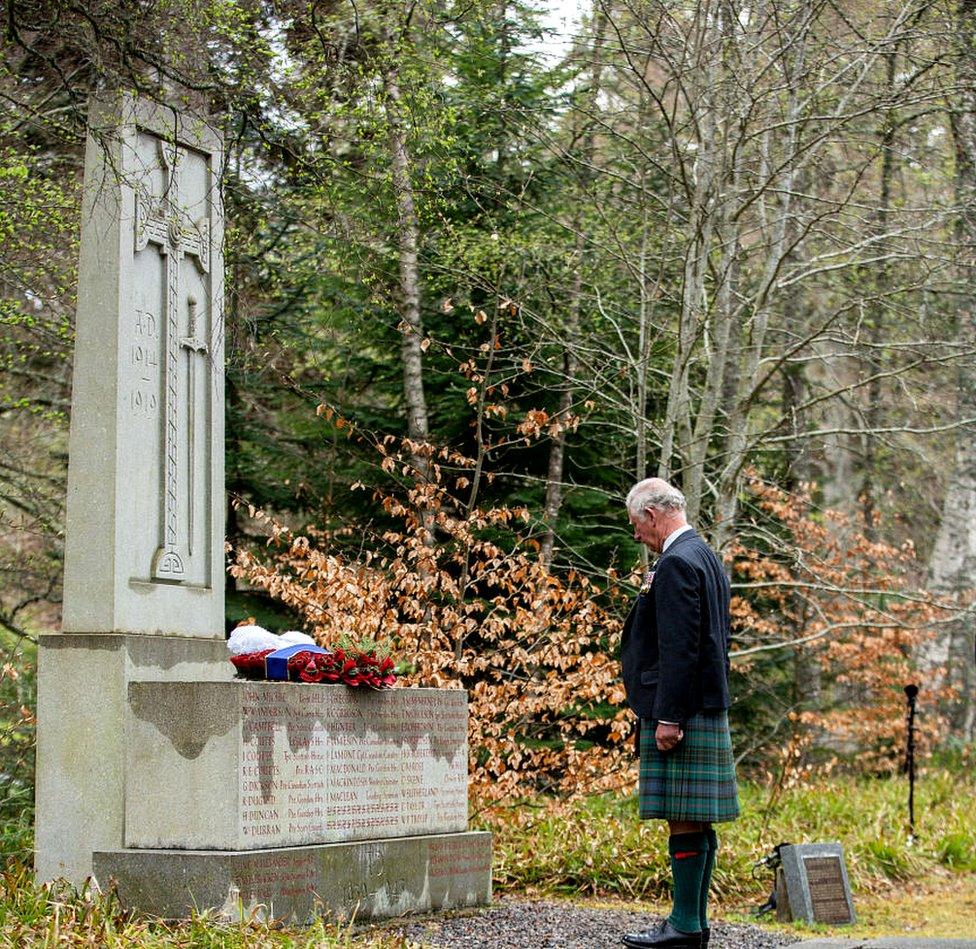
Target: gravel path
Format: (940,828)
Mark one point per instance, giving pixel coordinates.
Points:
(519,924)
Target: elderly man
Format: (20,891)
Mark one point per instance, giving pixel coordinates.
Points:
(674,653)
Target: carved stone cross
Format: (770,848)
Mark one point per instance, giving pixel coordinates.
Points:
(164,222)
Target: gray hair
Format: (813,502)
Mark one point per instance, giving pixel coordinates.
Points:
(654,493)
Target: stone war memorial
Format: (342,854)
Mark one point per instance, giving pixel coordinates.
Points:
(158,772)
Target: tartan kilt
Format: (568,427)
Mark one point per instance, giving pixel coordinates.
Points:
(696,780)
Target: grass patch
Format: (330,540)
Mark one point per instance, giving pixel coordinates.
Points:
(599,847)
(62,916)
(940,905)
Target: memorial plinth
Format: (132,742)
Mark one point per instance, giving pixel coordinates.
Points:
(81,750)
(364,879)
(284,800)
(243,765)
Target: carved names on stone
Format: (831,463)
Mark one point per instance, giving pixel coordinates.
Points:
(322,764)
(455,857)
(283,875)
(828,895)
(814,886)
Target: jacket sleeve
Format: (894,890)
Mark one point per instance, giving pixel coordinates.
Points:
(678,609)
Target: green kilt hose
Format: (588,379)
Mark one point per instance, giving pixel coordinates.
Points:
(696,780)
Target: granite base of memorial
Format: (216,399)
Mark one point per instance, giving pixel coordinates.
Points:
(288,799)
(371,879)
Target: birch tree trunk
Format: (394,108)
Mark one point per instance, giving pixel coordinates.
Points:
(557,447)
(411,350)
(953,562)
(702,212)
(776,217)
(717,359)
(874,410)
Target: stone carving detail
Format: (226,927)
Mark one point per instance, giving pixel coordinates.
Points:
(163,221)
(143,357)
(193,346)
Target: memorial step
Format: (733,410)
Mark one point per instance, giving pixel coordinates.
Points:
(371,879)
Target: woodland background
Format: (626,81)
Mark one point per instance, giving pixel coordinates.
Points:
(480,283)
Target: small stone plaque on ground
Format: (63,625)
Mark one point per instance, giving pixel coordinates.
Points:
(817,889)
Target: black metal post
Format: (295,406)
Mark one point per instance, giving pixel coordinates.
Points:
(911,693)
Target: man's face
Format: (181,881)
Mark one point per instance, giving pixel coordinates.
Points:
(646,529)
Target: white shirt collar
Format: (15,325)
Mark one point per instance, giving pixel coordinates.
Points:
(673,536)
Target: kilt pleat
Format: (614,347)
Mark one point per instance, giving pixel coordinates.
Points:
(695,781)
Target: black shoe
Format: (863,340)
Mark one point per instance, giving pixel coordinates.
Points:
(706,932)
(664,936)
